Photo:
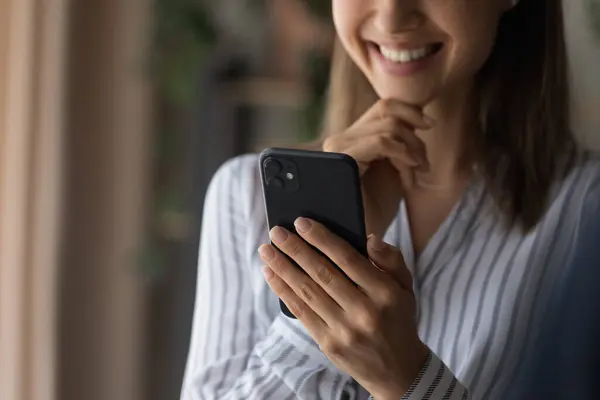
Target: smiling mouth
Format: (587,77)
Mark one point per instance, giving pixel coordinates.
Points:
(406,56)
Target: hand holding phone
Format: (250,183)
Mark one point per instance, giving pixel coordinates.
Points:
(322,186)
(366,313)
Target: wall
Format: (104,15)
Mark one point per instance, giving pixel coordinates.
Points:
(584,54)
(108,161)
(31,121)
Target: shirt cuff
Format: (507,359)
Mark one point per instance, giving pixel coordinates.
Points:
(436,382)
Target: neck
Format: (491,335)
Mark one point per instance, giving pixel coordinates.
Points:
(445,143)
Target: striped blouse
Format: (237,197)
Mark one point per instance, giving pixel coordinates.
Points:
(480,291)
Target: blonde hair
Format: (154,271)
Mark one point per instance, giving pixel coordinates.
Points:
(350,93)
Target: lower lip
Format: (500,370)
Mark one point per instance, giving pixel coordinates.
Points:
(401,69)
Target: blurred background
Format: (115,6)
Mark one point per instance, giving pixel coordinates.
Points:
(114,114)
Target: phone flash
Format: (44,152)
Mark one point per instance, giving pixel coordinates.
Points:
(289,176)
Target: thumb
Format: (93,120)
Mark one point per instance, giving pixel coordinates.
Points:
(390,260)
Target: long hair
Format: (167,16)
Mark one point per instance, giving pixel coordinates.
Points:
(521,109)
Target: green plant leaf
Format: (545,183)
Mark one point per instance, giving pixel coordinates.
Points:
(183,35)
(594,12)
(322,8)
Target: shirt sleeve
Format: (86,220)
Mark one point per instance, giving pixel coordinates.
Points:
(237,351)
(435,382)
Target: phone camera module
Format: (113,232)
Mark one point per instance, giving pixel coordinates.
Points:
(272,168)
(276,182)
(280,174)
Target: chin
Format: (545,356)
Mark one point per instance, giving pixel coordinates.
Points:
(413,93)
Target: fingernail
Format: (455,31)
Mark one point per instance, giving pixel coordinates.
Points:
(302,225)
(376,244)
(266,252)
(278,234)
(429,120)
(267,272)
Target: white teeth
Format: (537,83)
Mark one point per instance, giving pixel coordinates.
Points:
(405,56)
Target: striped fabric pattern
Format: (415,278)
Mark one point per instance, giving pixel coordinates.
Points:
(437,385)
(419,377)
(480,290)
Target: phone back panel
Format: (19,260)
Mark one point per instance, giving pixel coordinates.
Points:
(318,185)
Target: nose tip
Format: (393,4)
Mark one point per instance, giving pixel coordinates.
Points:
(392,16)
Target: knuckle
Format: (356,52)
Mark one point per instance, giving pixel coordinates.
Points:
(329,345)
(351,258)
(381,141)
(277,286)
(278,264)
(389,124)
(387,297)
(348,337)
(371,330)
(368,321)
(307,292)
(387,137)
(295,308)
(324,274)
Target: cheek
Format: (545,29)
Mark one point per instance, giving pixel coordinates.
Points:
(471,44)
(347,21)
(470,55)
(341,17)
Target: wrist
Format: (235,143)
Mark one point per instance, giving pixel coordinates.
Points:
(396,388)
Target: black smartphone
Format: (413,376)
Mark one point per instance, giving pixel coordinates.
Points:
(314,184)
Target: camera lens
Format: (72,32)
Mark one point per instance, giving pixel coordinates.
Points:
(272,168)
(278,183)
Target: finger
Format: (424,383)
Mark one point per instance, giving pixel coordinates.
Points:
(407,176)
(313,322)
(412,115)
(390,260)
(318,268)
(401,132)
(357,267)
(389,127)
(302,284)
(379,148)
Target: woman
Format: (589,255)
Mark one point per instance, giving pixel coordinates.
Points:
(457,113)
